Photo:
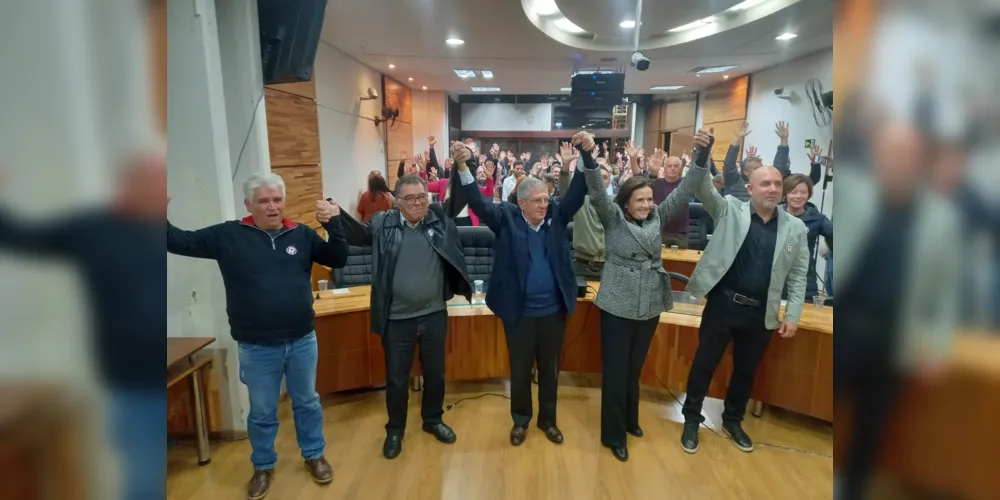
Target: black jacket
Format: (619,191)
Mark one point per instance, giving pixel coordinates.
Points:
(384,233)
(269,296)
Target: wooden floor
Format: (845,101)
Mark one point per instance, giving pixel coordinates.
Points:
(483,465)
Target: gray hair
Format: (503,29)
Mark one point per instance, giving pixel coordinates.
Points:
(257,181)
(409,180)
(530,185)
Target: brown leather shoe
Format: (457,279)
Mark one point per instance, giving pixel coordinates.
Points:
(553,434)
(260,484)
(517,435)
(320,469)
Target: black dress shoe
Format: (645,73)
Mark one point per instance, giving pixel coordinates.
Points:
(392,446)
(620,453)
(442,432)
(740,439)
(517,435)
(637,432)
(689,438)
(553,434)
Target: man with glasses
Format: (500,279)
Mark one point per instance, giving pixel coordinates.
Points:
(418,266)
(532,286)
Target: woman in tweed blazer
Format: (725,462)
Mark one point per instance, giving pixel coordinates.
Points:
(635,288)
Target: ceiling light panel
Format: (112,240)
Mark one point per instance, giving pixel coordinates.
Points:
(465,73)
(485,89)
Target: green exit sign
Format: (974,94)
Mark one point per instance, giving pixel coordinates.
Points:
(810,143)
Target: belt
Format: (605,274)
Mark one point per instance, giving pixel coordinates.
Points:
(651,264)
(741,299)
(592,263)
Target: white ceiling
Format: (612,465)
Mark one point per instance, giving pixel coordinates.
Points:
(499,36)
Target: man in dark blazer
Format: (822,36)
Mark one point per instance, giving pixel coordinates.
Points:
(532,285)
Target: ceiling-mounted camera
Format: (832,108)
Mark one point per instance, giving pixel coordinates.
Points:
(640,61)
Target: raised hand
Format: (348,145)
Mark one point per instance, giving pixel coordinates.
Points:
(326,211)
(631,150)
(585,140)
(403,156)
(814,154)
(567,153)
(482,158)
(422,160)
(781,128)
(744,129)
(702,138)
(751,151)
(490,171)
(461,154)
(431,141)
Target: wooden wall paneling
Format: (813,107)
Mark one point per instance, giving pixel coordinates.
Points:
(726,102)
(725,132)
(652,135)
(398,136)
(292,129)
(680,114)
(303,186)
(343,361)
(680,144)
(301,89)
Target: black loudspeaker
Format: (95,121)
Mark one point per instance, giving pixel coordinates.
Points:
(597,91)
(828,100)
(289,36)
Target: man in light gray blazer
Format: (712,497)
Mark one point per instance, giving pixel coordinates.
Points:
(755,251)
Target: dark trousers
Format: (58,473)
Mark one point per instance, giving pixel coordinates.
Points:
(400,340)
(724,320)
(624,345)
(529,340)
(867,378)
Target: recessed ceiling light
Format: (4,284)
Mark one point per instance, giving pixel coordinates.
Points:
(487,73)
(568,26)
(565,89)
(546,7)
(465,73)
(690,26)
(454,41)
(785,36)
(410,78)
(725,77)
(424,87)
(666,87)
(627,24)
(485,89)
(392,66)
(712,69)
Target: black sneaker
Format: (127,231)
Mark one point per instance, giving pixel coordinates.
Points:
(740,439)
(689,438)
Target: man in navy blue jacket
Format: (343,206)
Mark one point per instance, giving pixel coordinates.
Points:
(532,285)
(266,264)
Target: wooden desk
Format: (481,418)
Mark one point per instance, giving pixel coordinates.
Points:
(681,262)
(183,362)
(795,373)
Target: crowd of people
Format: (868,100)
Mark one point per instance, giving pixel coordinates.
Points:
(761,253)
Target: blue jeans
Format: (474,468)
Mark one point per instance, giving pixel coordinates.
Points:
(138,421)
(261,368)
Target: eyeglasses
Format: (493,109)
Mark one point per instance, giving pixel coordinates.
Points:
(539,201)
(418,199)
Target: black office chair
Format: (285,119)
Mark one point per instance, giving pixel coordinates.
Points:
(477,246)
(357,271)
